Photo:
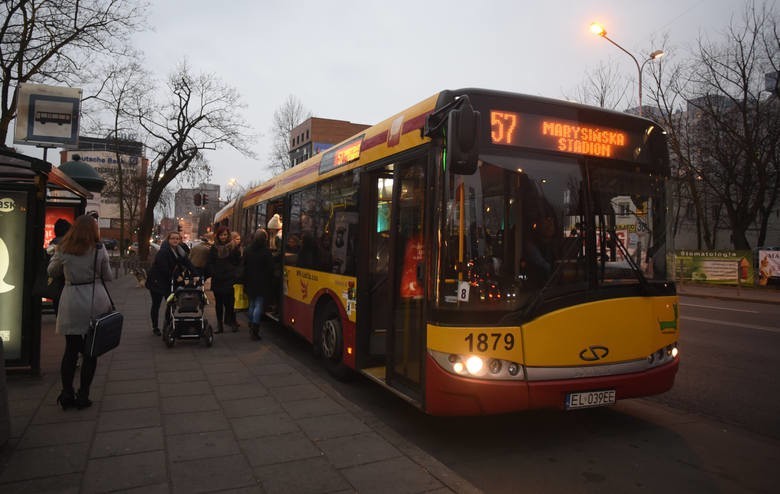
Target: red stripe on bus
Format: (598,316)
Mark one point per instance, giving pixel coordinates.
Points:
(374,141)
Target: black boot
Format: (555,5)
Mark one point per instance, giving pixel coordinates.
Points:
(82,400)
(234,324)
(220,327)
(66,399)
(254,330)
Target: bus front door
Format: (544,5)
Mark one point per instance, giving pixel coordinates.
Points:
(396,270)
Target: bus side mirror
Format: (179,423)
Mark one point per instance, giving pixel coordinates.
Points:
(463,139)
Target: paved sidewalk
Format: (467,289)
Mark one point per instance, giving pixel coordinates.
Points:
(241,416)
(769,295)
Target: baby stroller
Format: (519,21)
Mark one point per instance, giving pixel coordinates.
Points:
(184,311)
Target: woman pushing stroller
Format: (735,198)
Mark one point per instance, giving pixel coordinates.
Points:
(171,258)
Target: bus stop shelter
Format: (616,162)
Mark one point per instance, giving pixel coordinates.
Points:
(33,194)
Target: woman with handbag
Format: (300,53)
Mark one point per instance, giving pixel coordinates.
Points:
(81,259)
(224,262)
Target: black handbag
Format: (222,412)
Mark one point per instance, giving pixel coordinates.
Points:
(105,330)
(46,286)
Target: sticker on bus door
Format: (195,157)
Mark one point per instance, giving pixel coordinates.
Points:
(463,291)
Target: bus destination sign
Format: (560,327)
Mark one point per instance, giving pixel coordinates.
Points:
(555,134)
(341,155)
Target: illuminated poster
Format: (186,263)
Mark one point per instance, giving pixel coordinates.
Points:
(768,266)
(724,267)
(52,215)
(13,212)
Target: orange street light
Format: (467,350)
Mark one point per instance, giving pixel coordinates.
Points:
(599,30)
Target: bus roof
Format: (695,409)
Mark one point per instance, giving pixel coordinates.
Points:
(400,132)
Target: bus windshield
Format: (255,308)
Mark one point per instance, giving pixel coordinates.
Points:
(521,226)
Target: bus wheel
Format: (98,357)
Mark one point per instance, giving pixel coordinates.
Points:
(330,341)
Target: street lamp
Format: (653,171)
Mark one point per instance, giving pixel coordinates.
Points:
(599,30)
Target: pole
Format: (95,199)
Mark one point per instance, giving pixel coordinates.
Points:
(638,68)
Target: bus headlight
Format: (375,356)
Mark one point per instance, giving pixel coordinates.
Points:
(663,355)
(478,367)
(474,365)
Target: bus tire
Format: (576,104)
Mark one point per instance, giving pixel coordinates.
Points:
(329,341)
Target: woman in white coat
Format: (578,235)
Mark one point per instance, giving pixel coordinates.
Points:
(82,260)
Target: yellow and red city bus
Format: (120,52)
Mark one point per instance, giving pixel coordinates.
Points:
(482,252)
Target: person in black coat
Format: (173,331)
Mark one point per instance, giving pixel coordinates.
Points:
(169,258)
(258,278)
(224,261)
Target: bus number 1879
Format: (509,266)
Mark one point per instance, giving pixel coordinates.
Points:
(482,342)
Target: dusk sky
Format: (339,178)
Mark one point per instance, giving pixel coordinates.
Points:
(365,60)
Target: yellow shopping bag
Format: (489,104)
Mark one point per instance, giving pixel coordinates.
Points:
(239,295)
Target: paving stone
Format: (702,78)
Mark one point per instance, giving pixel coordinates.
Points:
(239,377)
(183,423)
(129,401)
(129,419)
(44,462)
(314,407)
(237,391)
(263,425)
(135,386)
(393,476)
(277,449)
(132,374)
(125,442)
(260,405)
(329,426)
(185,388)
(125,472)
(297,392)
(279,380)
(312,475)
(228,473)
(59,484)
(40,435)
(181,376)
(265,369)
(357,450)
(196,445)
(195,403)
(180,366)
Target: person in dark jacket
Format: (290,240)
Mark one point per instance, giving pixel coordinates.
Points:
(258,278)
(169,258)
(224,260)
(61,227)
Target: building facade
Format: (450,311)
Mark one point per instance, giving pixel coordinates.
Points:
(101,154)
(194,210)
(317,134)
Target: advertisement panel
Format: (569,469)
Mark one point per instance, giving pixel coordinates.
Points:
(52,215)
(13,217)
(768,266)
(715,266)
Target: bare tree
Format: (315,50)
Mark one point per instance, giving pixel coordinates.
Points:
(54,41)
(200,113)
(126,83)
(603,87)
(724,127)
(286,118)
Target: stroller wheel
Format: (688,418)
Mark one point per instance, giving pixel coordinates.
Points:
(168,335)
(209,334)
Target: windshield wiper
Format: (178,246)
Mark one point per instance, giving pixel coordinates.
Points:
(634,266)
